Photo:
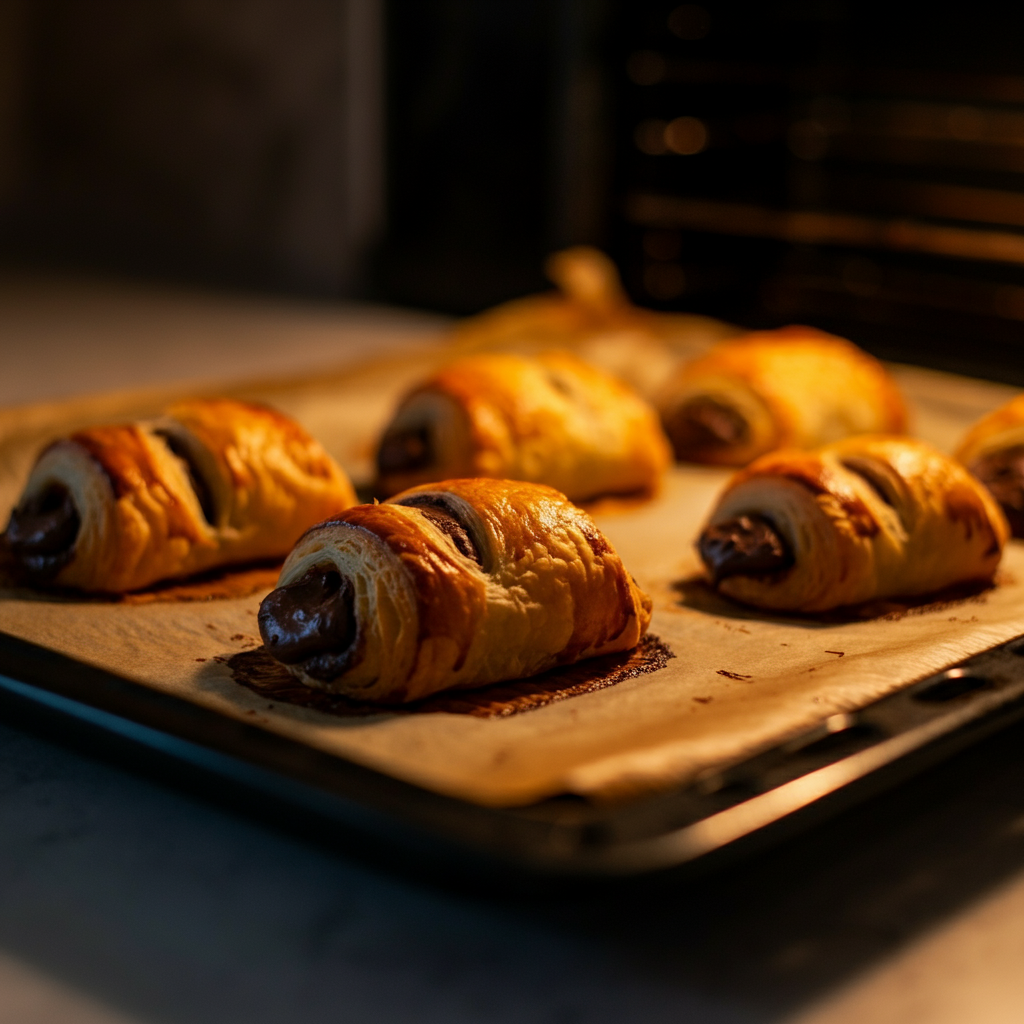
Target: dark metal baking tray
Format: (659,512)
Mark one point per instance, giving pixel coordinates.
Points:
(721,815)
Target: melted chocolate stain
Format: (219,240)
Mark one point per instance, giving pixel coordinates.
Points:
(445,519)
(1003,474)
(405,451)
(42,531)
(311,621)
(745,546)
(195,478)
(704,425)
(261,674)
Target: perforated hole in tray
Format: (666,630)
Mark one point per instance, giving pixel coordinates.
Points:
(957,682)
(842,742)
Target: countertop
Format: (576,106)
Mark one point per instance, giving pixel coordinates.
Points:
(124,899)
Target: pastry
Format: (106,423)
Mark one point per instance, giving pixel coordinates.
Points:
(456,584)
(791,388)
(591,315)
(212,483)
(993,451)
(865,518)
(548,419)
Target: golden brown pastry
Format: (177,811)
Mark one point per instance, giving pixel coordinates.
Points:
(592,316)
(865,518)
(791,388)
(993,451)
(212,483)
(548,419)
(457,584)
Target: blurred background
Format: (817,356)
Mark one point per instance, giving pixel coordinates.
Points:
(855,166)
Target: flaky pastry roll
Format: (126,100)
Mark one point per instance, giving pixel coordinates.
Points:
(212,483)
(862,519)
(456,584)
(993,451)
(791,388)
(547,419)
(592,316)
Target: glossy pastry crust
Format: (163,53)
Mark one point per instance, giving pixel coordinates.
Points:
(795,387)
(211,483)
(862,519)
(591,315)
(993,450)
(534,585)
(548,419)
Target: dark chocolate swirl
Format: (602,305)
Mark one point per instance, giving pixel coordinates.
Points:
(703,426)
(445,517)
(1002,472)
(43,529)
(312,623)
(203,492)
(405,450)
(745,546)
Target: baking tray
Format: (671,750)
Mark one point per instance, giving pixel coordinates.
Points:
(717,817)
(717,814)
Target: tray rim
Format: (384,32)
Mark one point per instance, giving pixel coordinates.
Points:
(341,800)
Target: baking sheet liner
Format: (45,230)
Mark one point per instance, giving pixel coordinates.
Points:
(739,682)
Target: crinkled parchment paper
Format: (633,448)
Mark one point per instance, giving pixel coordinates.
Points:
(739,682)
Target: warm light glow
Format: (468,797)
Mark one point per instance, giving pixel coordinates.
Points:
(966,123)
(811,227)
(686,136)
(650,137)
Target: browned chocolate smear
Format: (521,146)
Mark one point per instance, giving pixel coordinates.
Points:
(218,584)
(703,426)
(1002,472)
(744,546)
(697,593)
(42,531)
(261,674)
(215,585)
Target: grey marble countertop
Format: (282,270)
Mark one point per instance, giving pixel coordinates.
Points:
(123,899)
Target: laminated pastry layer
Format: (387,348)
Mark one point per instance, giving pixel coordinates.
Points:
(456,584)
(212,483)
(993,450)
(794,387)
(863,519)
(548,419)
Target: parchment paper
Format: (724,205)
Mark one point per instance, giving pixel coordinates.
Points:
(739,682)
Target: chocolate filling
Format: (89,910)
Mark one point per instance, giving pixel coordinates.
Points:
(1002,473)
(445,519)
(745,546)
(703,425)
(405,451)
(312,621)
(43,529)
(872,479)
(195,478)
